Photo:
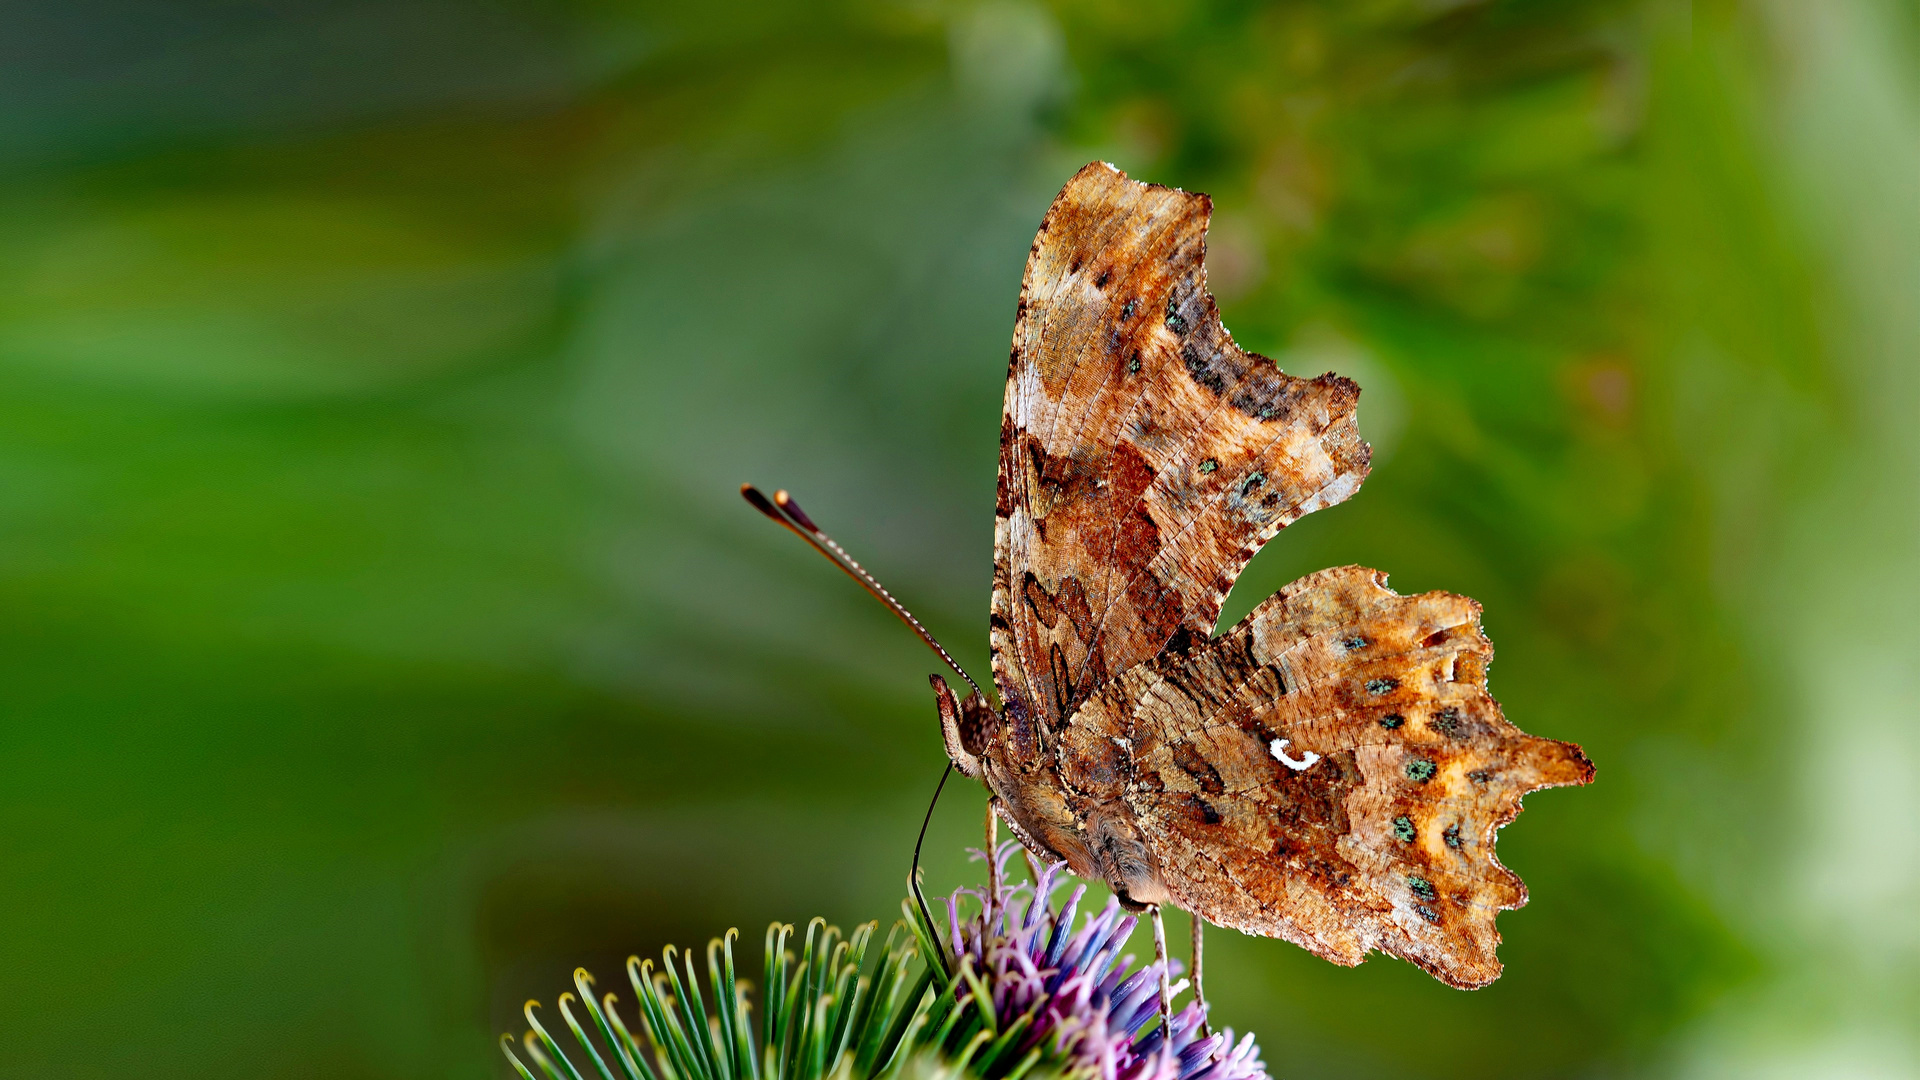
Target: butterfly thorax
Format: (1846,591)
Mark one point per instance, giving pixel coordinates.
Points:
(1064,795)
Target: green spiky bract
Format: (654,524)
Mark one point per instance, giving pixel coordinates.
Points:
(834,1009)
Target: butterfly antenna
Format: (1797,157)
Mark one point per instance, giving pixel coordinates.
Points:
(784,510)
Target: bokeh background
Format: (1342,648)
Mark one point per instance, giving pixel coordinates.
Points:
(381,634)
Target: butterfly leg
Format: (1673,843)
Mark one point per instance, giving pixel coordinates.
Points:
(1166,974)
(1199,991)
(993,863)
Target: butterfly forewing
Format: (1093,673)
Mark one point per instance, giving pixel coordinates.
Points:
(1144,456)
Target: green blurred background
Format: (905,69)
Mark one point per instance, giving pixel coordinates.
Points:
(381,634)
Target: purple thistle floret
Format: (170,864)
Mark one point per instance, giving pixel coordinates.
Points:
(1086,1008)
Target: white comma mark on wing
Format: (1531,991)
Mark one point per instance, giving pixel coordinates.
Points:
(1279,749)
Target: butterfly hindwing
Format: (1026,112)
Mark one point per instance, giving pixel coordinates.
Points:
(1144,456)
(1333,771)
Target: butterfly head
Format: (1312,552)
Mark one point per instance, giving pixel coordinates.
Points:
(965,725)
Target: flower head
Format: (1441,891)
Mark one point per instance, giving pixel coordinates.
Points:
(1074,991)
(1012,993)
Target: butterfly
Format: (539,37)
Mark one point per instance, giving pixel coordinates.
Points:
(1332,769)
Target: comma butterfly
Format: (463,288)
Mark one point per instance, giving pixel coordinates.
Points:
(1331,770)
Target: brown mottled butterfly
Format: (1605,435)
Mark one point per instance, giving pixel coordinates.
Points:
(1331,770)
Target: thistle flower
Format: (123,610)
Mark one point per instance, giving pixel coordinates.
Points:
(1074,994)
(1011,993)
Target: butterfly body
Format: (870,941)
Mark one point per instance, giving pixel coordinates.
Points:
(1331,770)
